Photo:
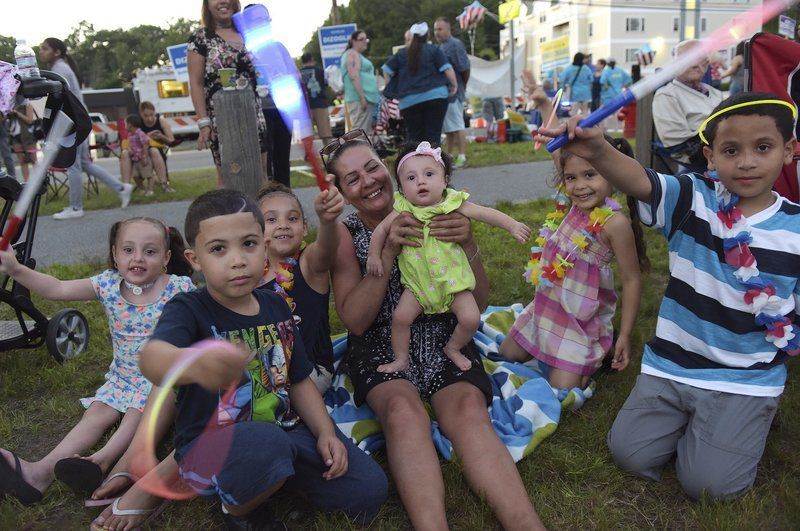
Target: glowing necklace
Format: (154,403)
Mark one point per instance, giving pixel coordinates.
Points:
(540,274)
(137,290)
(284,276)
(761,294)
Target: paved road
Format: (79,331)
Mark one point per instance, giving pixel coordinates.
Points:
(86,238)
(186,159)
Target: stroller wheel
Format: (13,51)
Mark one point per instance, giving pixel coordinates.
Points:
(67,334)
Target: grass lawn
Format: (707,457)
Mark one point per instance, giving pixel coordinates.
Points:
(570,477)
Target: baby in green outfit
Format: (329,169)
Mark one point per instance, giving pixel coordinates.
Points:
(437,276)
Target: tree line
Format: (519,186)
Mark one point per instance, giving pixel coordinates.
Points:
(110,58)
(386,21)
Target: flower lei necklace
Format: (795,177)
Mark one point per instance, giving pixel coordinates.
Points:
(760,294)
(284,276)
(540,274)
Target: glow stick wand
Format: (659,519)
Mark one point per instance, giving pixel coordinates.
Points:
(556,103)
(145,462)
(276,65)
(58,131)
(732,32)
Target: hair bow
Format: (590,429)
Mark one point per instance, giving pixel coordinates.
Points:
(420,28)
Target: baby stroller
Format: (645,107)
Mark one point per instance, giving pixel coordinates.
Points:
(66,334)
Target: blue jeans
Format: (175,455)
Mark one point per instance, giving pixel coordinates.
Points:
(261,454)
(84,163)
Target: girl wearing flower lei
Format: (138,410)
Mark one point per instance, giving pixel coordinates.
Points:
(300,272)
(568,324)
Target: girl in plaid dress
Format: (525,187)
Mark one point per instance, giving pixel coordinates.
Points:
(568,325)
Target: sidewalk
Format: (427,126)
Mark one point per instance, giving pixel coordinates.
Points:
(86,238)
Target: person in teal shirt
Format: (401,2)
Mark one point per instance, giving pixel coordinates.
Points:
(612,82)
(360,83)
(576,80)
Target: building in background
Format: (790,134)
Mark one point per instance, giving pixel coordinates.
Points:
(554,31)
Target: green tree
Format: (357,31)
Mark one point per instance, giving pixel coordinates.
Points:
(387,20)
(110,58)
(7,45)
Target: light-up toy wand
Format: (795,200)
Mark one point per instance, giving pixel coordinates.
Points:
(273,61)
(733,31)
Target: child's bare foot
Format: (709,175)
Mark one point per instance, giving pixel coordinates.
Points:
(131,511)
(461,361)
(113,485)
(399,364)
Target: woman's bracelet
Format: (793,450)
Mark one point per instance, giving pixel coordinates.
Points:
(474,256)
(204,122)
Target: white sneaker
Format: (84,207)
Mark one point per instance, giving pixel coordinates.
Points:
(125,194)
(69,213)
(461,161)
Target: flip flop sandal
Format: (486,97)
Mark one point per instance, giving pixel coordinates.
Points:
(150,513)
(79,474)
(107,501)
(13,484)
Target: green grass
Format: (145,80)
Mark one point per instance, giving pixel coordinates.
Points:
(187,184)
(570,477)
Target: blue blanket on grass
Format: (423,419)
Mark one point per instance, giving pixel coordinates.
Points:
(525,410)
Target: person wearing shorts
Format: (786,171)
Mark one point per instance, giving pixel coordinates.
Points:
(454,127)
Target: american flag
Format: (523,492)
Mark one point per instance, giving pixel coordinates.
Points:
(473,14)
(645,55)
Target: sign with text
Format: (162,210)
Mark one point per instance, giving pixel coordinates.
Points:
(786,26)
(333,42)
(555,53)
(177,56)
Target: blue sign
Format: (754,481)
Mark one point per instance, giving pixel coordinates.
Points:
(333,42)
(177,56)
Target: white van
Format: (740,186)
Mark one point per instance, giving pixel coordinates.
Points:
(169,96)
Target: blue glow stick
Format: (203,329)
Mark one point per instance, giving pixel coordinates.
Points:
(739,27)
(274,63)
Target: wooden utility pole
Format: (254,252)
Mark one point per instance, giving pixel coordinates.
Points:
(239,146)
(334,12)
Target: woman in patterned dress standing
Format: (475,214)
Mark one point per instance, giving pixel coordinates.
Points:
(215,46)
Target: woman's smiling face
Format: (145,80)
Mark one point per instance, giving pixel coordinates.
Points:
(364,180)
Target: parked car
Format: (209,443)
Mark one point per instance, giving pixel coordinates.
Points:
(99,139)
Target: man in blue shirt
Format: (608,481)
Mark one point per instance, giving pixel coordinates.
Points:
(454,127)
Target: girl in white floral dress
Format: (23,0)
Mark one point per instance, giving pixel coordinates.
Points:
(146,269)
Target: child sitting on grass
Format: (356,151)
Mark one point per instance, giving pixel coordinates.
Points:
(301,273)
(712,375)
(275,430)
(568,324)
(146,269)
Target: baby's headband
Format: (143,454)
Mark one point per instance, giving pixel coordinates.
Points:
(739,106)
(424,148)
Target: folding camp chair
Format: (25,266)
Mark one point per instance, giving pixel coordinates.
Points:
(59,184)
(772,64)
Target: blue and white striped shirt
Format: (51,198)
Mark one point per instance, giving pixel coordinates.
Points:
(706,334)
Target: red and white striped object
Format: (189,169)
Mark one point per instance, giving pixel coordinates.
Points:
(471,16)
(645,55)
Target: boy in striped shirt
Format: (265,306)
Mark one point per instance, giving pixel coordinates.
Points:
(712,375)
